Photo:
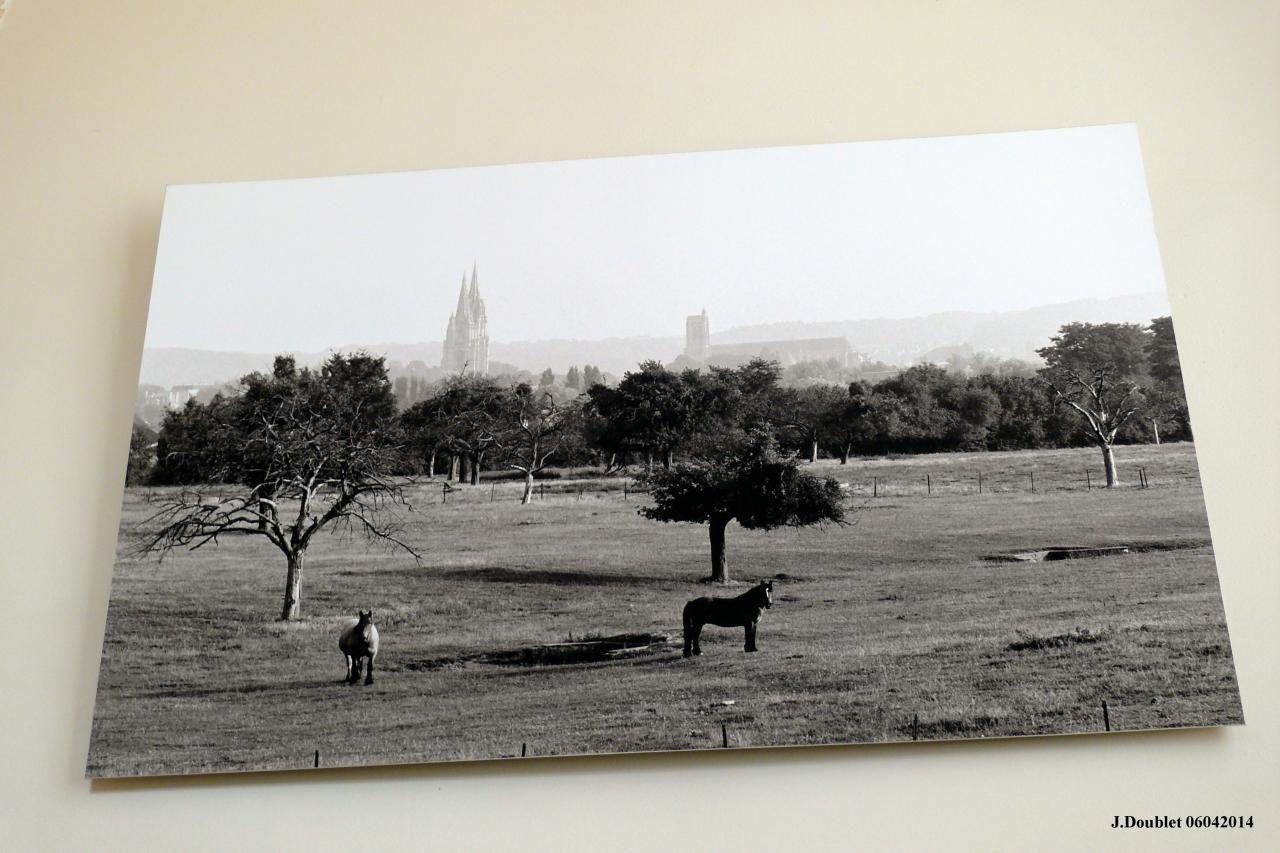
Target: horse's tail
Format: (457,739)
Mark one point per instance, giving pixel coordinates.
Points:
(687,618)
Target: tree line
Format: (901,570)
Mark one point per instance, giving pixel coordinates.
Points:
(298,450)
(1102,384)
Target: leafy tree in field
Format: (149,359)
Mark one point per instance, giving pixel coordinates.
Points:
(921,420)
(547,378)
(358,387)
(301,451)
(1167,413)
(741,401)
(471,407)
(847,424)
(199,444)
(652,410)
(810,410)
(142,441)
(1025,408)
(573,379)
(883,422)
(426,430)
(751,483)
(1162,352)
(535,427)
(591,375)
(972,411)
(930,404)
(1167,396)
(1098,370)
(605,433)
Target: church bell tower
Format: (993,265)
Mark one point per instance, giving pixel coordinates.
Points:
(697,336)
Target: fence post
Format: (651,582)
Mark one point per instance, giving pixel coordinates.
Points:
(1033,482)
(875,487)
(979,482)
(523,749)
(1106,716)
(915,727)
(493,490)
(317,758)
(928,483)
(444,493)
(624,488)
(724,735)
(1088,484)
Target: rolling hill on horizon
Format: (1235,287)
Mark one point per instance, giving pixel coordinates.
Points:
(901,341)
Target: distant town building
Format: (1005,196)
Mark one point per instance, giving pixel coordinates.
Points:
(697,336)
(180,394)
(698,346)
(466,341)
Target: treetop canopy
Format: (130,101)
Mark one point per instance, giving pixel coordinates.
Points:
(752,483)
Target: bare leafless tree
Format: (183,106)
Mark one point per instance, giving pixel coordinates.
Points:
(537,425)
(314,452)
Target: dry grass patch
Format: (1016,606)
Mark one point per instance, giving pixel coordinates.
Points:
(1075,637)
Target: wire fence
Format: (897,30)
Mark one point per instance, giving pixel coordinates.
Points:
(726,738)
(973,482)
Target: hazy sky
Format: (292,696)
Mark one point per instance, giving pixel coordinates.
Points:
(630,245)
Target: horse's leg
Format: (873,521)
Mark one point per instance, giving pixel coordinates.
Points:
(368,679)
(358,668)
(348,678)
(697,636)
(751,636)
(688,635)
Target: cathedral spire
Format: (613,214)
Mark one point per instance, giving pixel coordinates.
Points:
(463,298)
(466,343)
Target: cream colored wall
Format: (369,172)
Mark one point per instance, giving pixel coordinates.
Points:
(103,104)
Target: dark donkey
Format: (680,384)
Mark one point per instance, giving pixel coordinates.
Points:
(742,611)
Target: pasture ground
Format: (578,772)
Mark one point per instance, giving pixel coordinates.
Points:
(892,618)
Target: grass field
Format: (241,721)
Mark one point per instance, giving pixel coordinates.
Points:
(891,619)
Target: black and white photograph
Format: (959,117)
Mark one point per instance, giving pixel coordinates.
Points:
(826,444)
